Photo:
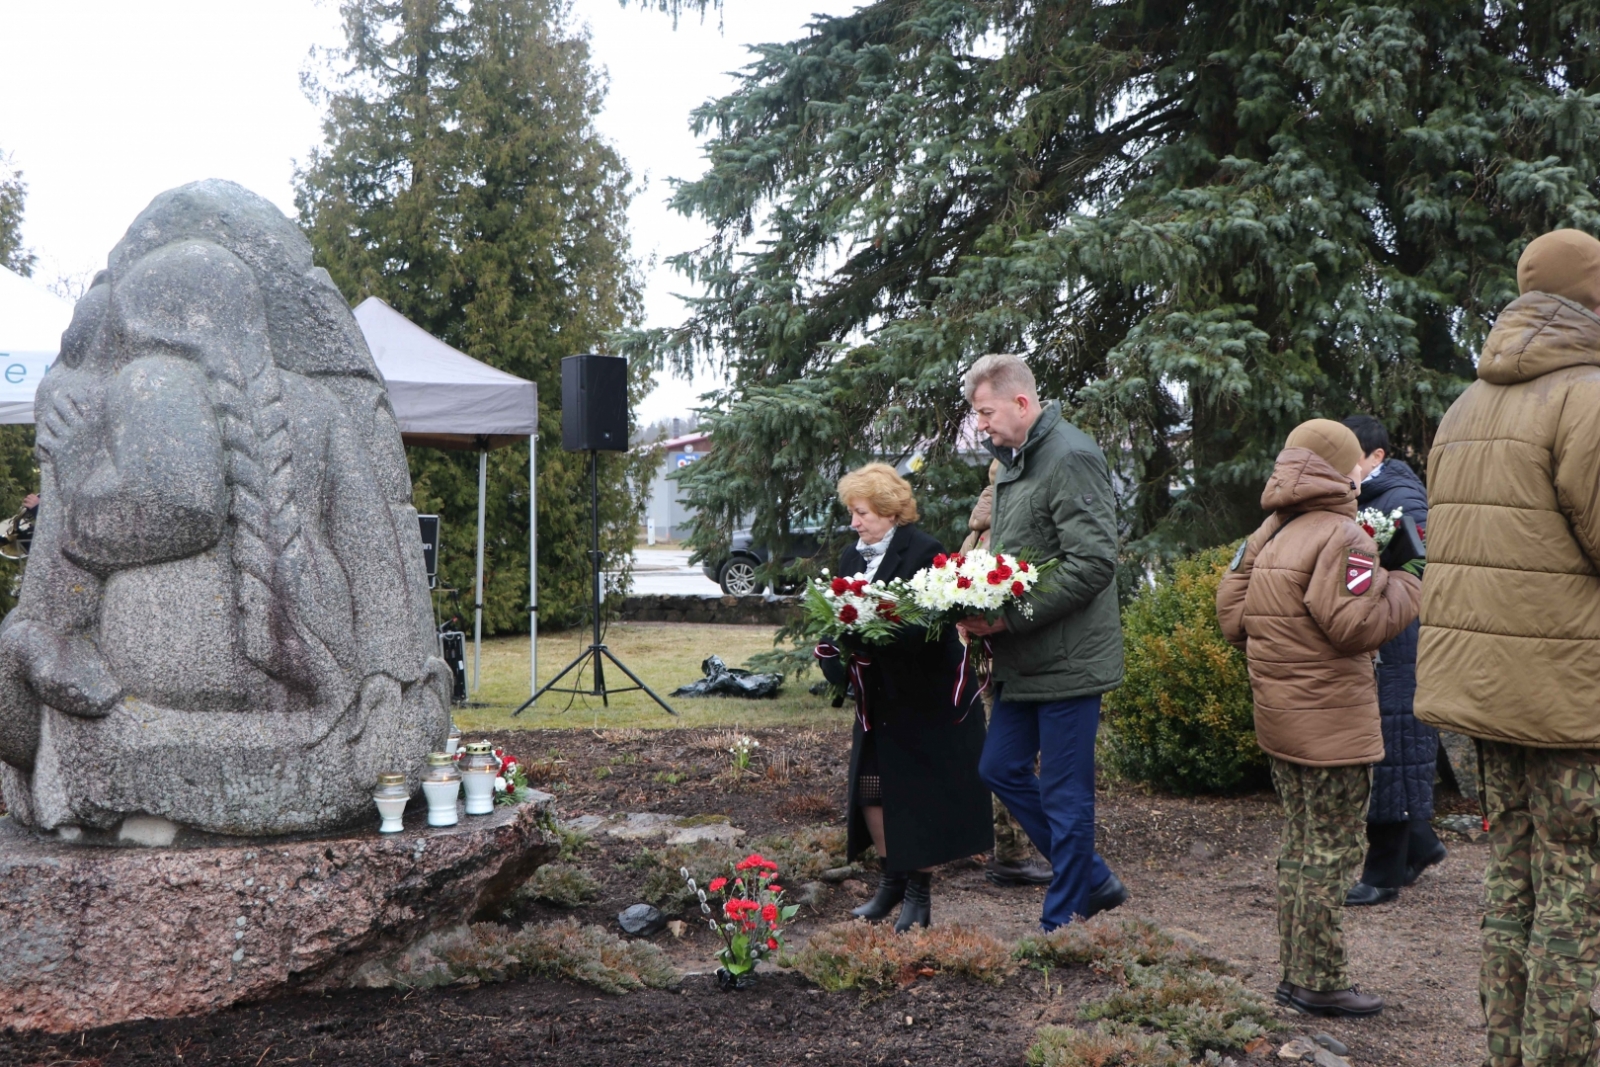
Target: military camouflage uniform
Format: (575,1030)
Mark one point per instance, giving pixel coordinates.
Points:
(1541,926)
(1324,840)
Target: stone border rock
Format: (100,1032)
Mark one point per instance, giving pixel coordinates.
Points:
(91,936)
(711,610)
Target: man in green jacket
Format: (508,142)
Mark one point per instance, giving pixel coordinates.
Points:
(1052,501)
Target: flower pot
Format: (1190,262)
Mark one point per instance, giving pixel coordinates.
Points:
(391,798)
(442,786)
(478,771)
(727,981)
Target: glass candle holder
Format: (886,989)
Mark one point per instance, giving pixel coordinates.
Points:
(478,771)
(391,797)
(441,784)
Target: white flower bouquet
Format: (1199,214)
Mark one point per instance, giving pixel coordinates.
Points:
(1379,527)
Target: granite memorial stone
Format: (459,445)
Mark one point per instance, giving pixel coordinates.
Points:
(224,622)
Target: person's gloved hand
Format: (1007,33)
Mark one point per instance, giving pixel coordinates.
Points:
(1415,567)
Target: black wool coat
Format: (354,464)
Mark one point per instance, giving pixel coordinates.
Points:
(1402,785)
(928,739)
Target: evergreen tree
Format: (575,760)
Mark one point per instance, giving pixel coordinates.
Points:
(462,180)
(18,474)
(13,194)
(1201,224)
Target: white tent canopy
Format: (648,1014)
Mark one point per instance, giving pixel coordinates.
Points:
(31,321)
(442,398)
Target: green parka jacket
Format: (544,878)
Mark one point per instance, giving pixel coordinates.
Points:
(1053,500)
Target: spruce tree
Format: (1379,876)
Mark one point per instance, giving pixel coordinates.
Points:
(462,180)
(1201,224)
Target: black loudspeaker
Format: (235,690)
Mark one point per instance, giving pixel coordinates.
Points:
(594,404)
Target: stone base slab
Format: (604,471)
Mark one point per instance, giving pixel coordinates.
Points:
(91,936)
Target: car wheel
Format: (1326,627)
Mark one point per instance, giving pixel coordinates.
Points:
(739,578)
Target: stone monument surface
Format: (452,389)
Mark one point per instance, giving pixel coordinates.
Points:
(95,936)
(224,621)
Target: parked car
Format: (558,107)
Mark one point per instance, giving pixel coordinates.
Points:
(735,572)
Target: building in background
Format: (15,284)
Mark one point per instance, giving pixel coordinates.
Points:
(666,517)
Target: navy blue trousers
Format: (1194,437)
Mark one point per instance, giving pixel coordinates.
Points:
(1055,807)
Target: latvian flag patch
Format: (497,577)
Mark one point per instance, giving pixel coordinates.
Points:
(1358,572)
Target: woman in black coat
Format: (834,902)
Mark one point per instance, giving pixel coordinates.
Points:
(1401,843)
(915,794)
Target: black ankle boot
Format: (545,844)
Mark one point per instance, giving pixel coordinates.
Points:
(891,890)
(917,910)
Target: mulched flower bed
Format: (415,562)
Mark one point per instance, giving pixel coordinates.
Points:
(1199,865)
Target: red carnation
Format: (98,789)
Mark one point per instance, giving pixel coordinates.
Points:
(775,887)
(717,884)
(858,586)
(1017,589)
(1022,565)
(961,561)
(772,943)
(1370,531)
(995,578)
(839,587)
(999,558)
(770,913)
(940,560)
(848,613)
(963,582)
(886,610)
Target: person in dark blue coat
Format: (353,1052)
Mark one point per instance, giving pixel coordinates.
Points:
(1401,843)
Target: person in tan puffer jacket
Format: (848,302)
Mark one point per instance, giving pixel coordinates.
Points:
(1307,602)
(1509,652)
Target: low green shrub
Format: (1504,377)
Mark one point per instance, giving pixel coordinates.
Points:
(486,952)
(1182,718)
(561,885)
(1062,1046)
(1194,1010)
(874,957)
(801,857)
(1112,947)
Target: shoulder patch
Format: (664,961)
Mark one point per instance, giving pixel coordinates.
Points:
(1238,557)
(1358,568)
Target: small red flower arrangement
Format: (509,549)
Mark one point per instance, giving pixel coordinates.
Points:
(752,916)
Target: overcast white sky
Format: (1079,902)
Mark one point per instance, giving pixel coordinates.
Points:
(108,102)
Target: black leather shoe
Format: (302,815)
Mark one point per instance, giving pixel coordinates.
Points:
(1281,994)
(1109,894)
(1414,870)
(917,908)
(891,890)
(1339,1003)
(1361,894)
(1009,874)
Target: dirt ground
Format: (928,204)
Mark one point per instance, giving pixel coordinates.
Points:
(1199,865)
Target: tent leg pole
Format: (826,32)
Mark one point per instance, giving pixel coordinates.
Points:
(477,600)
(533,564)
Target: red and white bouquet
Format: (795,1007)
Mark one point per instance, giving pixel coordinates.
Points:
(1379,527)
(871,612)
(976,583)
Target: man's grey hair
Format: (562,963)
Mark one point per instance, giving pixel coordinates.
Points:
(1006,374)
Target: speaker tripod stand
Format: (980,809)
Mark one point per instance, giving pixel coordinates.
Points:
(597,653)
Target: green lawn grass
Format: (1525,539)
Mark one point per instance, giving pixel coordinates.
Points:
(665,655)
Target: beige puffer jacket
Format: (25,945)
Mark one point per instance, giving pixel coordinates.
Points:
(1510,644)
(1308,603)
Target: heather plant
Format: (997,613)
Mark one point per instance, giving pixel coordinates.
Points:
(1064,1046)
(487,952)
(875,958)
(561,885)
(1183,718)
(1194,1010)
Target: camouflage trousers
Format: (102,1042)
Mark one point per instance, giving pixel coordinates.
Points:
(1541,922)
(1324,840)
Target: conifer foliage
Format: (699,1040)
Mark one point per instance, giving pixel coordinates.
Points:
(1202,224)
(18,474)
(462,180)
